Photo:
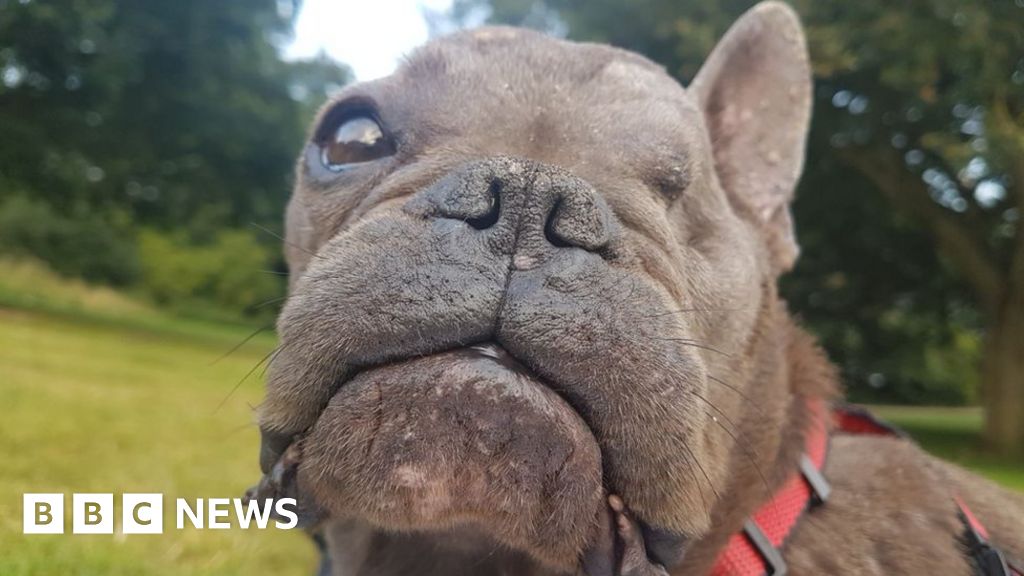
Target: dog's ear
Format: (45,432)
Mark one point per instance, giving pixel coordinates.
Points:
(755,92)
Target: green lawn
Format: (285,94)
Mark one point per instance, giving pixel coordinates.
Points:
(100,393)
(90,404)
(953,434)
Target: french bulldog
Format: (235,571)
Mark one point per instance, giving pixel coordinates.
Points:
(533,325)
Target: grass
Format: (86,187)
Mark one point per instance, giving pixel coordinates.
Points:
(27,284)
(954,434)
(102,393)
(92,405)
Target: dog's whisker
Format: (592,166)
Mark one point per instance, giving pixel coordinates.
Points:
(242,343)
(724,416)
(238,384)
(266,365)
(735,439)
(695,344)
(740,445)
(696,461)
(281,238)
(696,482)
(268,302)
(693,310)
(736,390)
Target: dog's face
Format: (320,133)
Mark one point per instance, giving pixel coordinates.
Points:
(523,273)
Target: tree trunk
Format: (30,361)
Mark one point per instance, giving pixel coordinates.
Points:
(1002,377)
(1000,294)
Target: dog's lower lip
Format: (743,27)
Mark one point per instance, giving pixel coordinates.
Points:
(493,351)
(274,444)
(467,436)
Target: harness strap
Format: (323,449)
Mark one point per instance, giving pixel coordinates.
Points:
(856,420)
(755,551)
(988,560)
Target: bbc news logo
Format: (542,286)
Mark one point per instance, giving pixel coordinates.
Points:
(144,513)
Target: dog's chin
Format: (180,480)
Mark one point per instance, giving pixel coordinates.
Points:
(466,437)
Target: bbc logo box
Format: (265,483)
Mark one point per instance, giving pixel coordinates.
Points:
(92,513)
(43,513)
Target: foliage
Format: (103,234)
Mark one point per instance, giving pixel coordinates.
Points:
(83,244)
(119,115)
(30,284)
(233,271)
(917,142)
(872,287)
(177,111)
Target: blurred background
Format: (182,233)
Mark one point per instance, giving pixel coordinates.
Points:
(146,154)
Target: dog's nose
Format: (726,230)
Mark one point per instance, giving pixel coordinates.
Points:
(531,199)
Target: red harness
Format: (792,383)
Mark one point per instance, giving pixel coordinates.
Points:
(755,551)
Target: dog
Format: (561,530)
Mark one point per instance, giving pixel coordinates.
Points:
(533,328)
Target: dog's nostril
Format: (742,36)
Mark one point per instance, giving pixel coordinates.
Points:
(493,203)
(578,220)
(553,237)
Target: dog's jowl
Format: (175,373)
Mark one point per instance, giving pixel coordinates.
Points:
(533,328)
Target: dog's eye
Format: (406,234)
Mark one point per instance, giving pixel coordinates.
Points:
(357,139)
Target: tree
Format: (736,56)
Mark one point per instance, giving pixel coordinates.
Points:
(942,87)
(171,115)
(920,105)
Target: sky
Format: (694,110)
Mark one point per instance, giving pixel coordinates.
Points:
(368,35)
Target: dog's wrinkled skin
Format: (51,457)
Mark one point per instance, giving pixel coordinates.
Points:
(544,336)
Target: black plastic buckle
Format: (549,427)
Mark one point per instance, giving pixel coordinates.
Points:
(820,487)
(770,554)
(988,560)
